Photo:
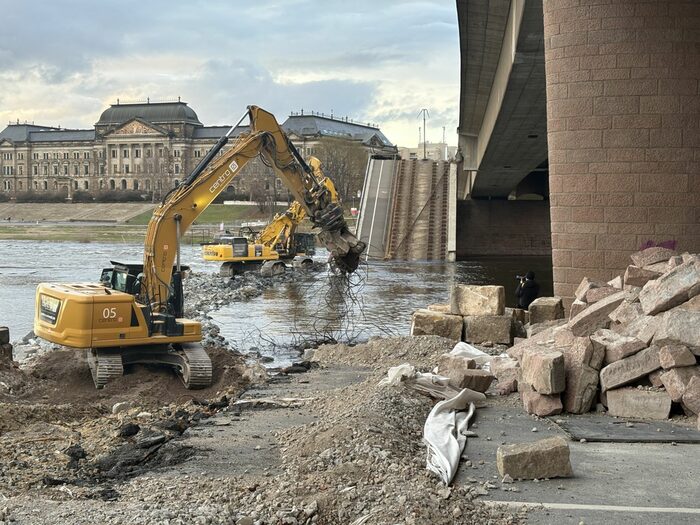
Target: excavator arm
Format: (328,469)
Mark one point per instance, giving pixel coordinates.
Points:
(185,203)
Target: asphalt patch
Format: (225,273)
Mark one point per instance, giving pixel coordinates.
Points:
(606,429)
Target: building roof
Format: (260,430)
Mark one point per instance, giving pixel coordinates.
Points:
(216,132)
(63,135)
(156,112)
(21,132)
(321,126)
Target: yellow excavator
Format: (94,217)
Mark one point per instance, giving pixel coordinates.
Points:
(276,243)
(135,313)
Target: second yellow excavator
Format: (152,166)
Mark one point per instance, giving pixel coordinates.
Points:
(135,313)
(277,245)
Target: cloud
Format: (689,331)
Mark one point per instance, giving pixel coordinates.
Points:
(374,61)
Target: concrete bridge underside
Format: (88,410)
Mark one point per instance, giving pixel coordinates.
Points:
(617,131)
(502,125)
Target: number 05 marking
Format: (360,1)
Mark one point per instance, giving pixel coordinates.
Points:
(109,313)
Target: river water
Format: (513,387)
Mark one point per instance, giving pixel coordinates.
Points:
(379,301)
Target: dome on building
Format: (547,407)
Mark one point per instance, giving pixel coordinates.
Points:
(156,113)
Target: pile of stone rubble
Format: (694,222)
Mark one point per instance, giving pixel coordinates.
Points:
(630,344)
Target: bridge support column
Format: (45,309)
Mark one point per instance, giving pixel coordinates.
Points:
(623,114)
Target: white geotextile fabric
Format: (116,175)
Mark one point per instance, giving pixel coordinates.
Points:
(446,425)
(444,432)
(463,349)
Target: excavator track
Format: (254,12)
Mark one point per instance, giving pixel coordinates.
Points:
(105,365)
(196,368)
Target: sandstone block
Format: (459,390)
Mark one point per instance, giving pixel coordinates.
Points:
(675,356)
(546,309)
(617,282)
(547,458)
(636,403)
(652,255)
(616,346)
(442,308)
(676,380)
(674,261)
(582,361)
(4,335)
(655,378)
(494,328)
(467,299)
(428,322)
(582,290)
(479,380)
(534,329)
(518,314)
(691,304)
(626,312)
(639,276)
(689,257)
(596,315)
(448,362)
(577,307)
(691,396)
(679,326)
(596,294)
(659,267)
(539,404)
(630,369)
(544,370)
(643,328)
(671,289)
(507,372)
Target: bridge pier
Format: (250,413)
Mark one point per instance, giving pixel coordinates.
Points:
(623,114)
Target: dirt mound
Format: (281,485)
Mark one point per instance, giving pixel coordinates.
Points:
(380,353)
(63,377)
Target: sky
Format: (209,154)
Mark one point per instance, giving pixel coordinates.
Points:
(62,62)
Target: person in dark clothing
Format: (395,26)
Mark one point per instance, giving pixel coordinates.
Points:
(527,291)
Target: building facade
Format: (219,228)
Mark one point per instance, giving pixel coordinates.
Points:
(148,147)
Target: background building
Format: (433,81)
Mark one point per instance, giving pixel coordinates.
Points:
(150,147)
(432,151)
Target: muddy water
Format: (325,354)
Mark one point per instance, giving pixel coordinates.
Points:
(379,299)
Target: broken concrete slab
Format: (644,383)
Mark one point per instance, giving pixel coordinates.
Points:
(494,328)
(691,304)
(652,255)
(616,346)
(467,299)
(544,370)
(596,315)
(546,309)
(539,404)
(4,335)
(675,356)
(659,267)
(582,361)
(596,294)
(671,289)
(630,369)
(679,326)
(546,458)
(674,261)
(691,396)
(639,276)
(428,322)
(638,403)
(676,380)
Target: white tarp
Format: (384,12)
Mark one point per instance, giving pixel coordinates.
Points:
(446,425)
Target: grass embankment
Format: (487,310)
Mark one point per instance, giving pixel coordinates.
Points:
(218,213)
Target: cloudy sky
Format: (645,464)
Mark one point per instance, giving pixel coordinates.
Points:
(63,61)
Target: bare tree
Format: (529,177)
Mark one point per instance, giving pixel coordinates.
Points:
(345,163)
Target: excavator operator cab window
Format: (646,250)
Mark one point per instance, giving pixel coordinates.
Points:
(106,277)
(240,246)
